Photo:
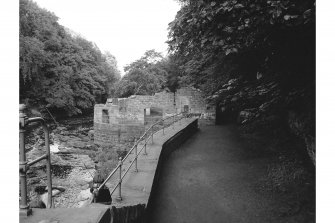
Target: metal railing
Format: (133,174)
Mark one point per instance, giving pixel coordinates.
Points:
(25,210)
(149,133)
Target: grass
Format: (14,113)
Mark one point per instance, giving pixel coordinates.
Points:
(106,158)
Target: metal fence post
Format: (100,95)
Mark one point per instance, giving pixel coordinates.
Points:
(25,210)
(145,148)
(152,135)
(48,164)
(120,178)
(136,158)
(163,127)
(173,122)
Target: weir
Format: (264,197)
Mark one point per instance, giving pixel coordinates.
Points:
(130,201)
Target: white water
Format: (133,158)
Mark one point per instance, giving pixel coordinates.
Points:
(54,148)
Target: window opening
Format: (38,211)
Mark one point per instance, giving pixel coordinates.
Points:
(105,116)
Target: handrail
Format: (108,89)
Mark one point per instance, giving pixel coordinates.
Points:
(151,132)
(25,210)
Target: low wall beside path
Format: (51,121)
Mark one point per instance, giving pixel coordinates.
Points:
(137,187)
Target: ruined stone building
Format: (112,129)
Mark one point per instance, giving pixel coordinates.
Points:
(124,119)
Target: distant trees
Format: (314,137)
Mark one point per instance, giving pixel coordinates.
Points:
(62,72)
(147,75)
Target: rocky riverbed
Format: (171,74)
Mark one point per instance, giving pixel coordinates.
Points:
(74,159)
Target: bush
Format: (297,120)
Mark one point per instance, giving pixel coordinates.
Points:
(288,174)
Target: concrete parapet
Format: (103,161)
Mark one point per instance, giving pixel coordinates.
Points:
(137,187)
(99,214)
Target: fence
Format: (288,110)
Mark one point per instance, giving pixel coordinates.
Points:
(24,122)
(25,210)
(149,133)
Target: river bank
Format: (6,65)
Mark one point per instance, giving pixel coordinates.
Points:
(74,157)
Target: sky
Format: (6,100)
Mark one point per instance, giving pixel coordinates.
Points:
(125,28)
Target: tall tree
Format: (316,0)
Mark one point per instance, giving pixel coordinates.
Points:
(65,73)
(144,76)
(250,54)
(243,37)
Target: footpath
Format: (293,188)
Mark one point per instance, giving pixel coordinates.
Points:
(136,187)
(213,178)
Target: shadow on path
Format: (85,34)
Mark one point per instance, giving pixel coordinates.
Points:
(213,177)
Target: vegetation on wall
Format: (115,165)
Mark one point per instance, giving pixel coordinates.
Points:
(60,71)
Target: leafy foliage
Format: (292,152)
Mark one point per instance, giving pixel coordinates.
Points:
(224,39)
(147,75)
(62,72)
(254,56)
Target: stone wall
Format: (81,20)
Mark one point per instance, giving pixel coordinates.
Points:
(194,98)
(124,119)
(110,134)
(152,115)
(119,127)
(128,214)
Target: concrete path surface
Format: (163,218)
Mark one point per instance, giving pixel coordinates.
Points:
(136,186)
(214,178)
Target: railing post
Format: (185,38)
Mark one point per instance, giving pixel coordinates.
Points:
(120,179)
(48,164)
(173,123)
(163,127)
(152,135)
(136,170)
(145,148)
(25,210)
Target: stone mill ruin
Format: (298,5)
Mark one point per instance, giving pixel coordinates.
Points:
(125,119)
(149,127)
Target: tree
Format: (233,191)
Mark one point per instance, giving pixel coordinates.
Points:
(137,82)
(266,48)
(65,73)
(241,38)
(144,76)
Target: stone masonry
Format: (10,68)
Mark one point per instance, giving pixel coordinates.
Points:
(125,119)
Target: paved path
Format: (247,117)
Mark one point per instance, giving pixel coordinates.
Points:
(136,186)
(214,178)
